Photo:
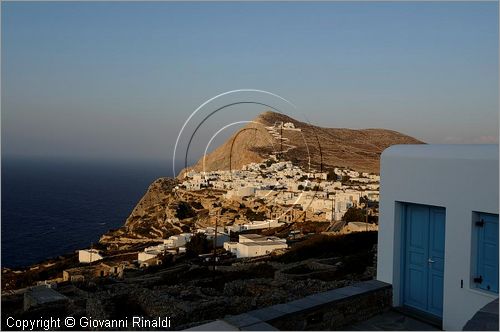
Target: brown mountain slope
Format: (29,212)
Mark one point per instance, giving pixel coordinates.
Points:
(322,147)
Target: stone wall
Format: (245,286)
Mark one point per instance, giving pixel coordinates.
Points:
(330,310)
(334,316)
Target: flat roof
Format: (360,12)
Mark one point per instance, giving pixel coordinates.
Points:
(262,243)
(251,236)
(43,294)
(93,251)
(443,151)
(359,223)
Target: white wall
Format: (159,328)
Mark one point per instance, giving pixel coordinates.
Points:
(144,256)
(244,250)
(221,238)
(88,256)
(461,178)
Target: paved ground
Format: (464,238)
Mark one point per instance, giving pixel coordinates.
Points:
(485,319)
(391,321)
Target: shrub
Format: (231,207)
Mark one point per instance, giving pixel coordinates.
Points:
(197,205)
(354,214)
(184,210)
(199,244)
(251,215)
(331,176)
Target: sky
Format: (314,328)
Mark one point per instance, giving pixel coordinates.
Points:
(117,80)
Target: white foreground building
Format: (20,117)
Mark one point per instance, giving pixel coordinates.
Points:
(438,229)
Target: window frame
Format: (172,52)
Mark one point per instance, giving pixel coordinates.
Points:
(477,236)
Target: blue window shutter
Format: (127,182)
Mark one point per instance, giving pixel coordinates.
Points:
(487,253)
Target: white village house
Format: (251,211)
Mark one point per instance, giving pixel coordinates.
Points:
(89,255)
(253,245)
(261,224)
(176,241)
(209,232)
(150,253)
(438,229)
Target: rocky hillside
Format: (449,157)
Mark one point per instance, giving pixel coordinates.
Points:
(161,212)
(359,149)
(148,220)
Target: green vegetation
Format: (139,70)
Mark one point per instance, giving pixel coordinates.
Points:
(198,245)
(197,205)
(331,176)
(184,210)
(346,179)
(251,215)
(354,214)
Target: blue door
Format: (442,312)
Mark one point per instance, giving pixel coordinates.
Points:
(423,259)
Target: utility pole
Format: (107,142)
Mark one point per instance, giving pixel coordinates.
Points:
(333,209)
(215,239)
(366,217)
(281,141)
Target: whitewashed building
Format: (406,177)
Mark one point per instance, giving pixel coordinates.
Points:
(89,255)
(149,257)
(438,229)
(240,192)
(261,224)
(151,252)
(253,245)
(209,232)
(176,241)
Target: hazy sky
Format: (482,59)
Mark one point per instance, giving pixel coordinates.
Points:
(118,80)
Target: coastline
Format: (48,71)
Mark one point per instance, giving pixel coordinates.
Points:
(53,207)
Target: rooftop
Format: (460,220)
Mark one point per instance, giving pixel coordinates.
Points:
(263,243)
(251,236)
(42,294)
(92,251)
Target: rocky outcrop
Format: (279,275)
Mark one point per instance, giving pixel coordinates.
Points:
(159,193)
(359,149)
(157,216)
(150,219)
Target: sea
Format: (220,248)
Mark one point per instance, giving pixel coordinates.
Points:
(54,207)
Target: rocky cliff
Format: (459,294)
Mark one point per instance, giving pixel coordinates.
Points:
(161,212)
